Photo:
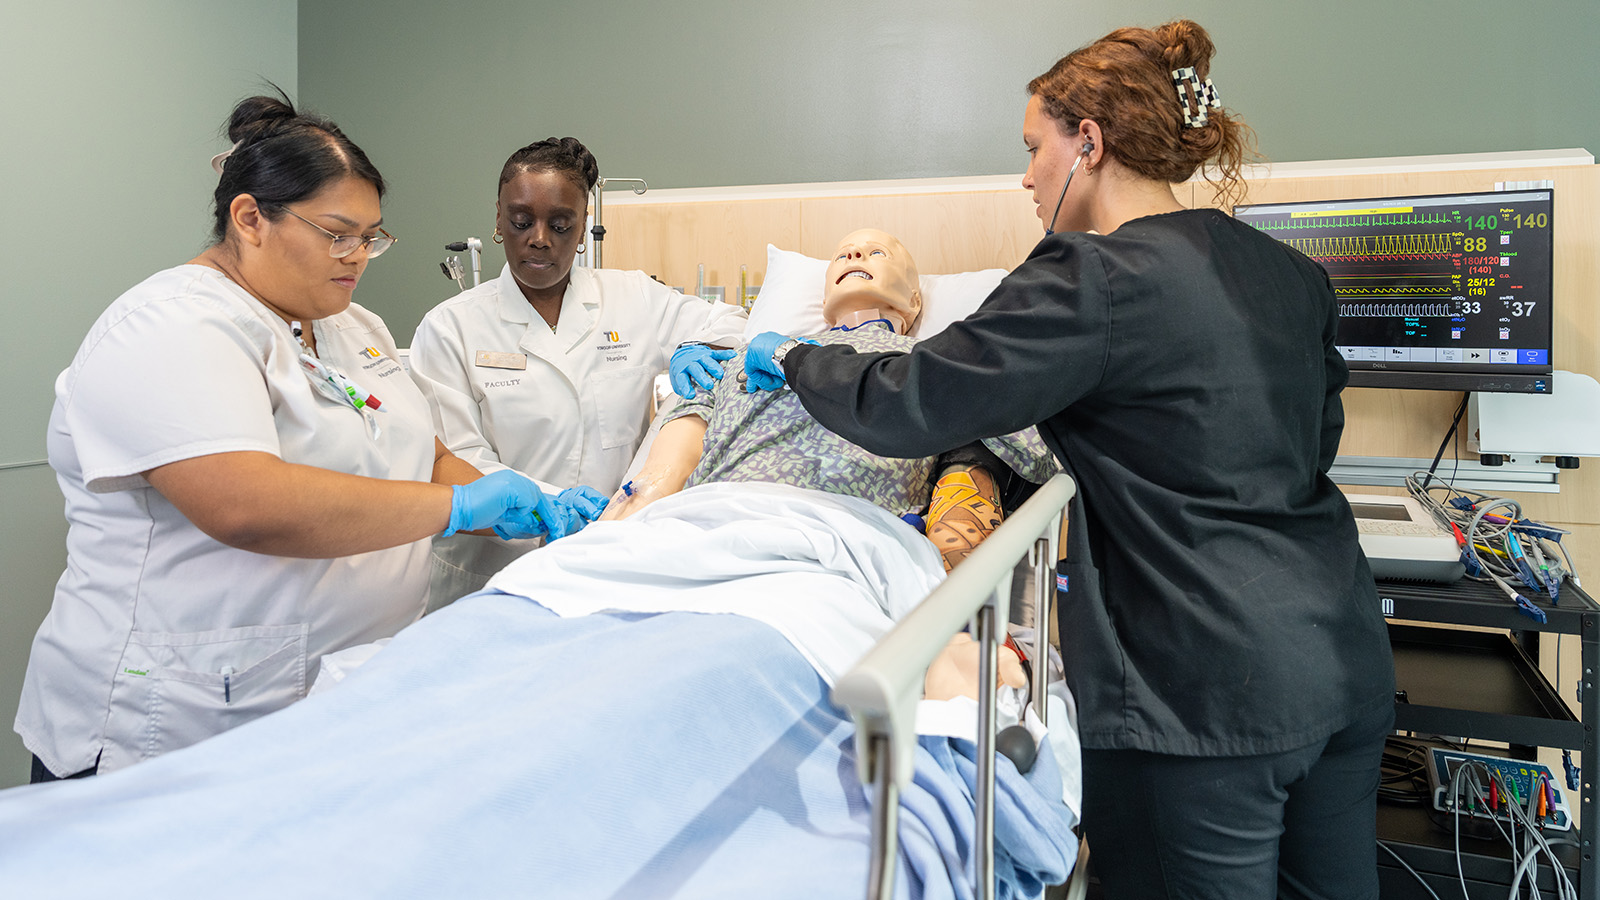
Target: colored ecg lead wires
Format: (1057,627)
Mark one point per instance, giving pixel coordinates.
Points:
(1497,543)
(1502,799)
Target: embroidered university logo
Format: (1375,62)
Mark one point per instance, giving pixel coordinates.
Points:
(614,337)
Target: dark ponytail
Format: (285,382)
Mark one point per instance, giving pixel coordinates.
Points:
(280,156)
(565,155)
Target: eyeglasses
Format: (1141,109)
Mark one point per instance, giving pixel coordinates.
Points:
(345,244)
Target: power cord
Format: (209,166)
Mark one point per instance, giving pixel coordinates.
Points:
(1408,868)
(1454,425)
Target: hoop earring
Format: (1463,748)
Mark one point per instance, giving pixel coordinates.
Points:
(498,237)
(582,247)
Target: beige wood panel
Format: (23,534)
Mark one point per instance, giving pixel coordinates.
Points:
(946,233)
(669,240)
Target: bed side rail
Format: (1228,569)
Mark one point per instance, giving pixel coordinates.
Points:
(882,690)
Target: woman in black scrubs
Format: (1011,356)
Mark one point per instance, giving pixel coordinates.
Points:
(1220,626)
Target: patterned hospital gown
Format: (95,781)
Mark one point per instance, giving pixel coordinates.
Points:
(769,436)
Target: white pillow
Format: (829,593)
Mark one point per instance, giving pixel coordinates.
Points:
(790,301)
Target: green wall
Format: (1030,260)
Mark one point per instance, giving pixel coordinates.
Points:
(110,115)
(113,108)
(724,92)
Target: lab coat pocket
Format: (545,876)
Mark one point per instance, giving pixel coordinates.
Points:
(175,689)
(622,405)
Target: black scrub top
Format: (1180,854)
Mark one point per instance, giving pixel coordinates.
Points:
(1183,370)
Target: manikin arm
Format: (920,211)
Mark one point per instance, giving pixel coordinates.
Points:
(672,459)
(965,508)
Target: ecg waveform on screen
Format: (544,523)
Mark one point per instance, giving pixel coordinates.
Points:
(1408,310)
(1378,220)
(1366,262)
(1446,286)
(1360,246)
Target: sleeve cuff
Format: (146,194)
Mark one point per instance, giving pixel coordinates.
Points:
(956,717)
(792,359)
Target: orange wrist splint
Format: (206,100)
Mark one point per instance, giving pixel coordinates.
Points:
(964,510)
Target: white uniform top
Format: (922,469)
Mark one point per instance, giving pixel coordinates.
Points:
(565,408)
(160,636)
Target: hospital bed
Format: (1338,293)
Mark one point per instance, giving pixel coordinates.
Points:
(881,691)
(503,748)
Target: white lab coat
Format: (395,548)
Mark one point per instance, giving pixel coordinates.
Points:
(576,410)
(158,635)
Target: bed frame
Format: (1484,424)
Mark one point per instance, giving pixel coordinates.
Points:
(882,689)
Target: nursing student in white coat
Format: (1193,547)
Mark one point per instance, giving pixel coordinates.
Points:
(548,369)
(251,481)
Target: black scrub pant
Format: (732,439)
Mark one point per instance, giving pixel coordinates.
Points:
(42,773)
(1300,824)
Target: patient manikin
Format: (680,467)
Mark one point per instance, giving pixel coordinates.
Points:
(871,298)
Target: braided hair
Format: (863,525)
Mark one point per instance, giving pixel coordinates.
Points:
(565,155)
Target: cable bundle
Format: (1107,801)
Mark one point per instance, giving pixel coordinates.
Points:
(1497,543)
(1482,786)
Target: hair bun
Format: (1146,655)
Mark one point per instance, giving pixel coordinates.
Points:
(1184,43)
(255,115)
(580,154)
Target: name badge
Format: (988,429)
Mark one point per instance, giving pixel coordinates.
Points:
(491,360)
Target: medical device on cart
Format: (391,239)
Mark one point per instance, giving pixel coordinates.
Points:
(1488,787)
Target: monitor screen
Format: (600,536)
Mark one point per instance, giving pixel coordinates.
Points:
(1448,292)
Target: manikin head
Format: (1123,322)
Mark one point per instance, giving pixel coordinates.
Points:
(872,276)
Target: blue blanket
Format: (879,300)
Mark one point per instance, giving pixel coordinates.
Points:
(497,750)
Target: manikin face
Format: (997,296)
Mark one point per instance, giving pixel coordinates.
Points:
(1051,153)
(541,215)
(872,270)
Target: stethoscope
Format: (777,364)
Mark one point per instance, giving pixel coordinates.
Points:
(1088,148)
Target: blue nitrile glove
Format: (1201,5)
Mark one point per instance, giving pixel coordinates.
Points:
(520,524)
(505,501)
(760,372)
(575,508)
(695,364)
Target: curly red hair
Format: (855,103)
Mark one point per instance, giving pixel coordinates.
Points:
(1124,82)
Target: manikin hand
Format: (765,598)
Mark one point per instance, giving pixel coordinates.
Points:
(954,672)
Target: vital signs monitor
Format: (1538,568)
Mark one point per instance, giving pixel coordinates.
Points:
(1447,291)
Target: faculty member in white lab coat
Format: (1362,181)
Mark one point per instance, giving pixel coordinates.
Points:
(548,369)
(251,481)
